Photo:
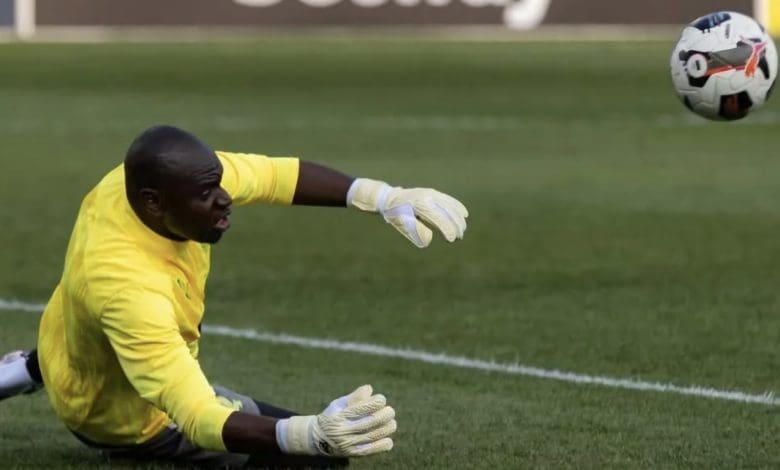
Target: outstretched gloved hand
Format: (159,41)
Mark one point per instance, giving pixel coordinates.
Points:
(412,211)
(354,425)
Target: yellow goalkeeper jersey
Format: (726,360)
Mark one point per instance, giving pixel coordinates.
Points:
(118,340)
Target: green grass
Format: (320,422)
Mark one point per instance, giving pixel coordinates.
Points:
(610,234)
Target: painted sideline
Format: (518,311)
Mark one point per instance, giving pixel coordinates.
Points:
(20,306)
(767,398)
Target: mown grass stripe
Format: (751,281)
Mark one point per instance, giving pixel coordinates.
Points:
(767,398)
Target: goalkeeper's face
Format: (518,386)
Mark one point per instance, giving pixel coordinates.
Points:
(197,206)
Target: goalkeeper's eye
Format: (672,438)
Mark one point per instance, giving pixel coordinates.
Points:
(205,194)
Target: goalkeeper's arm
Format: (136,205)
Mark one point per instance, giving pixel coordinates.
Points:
(413,212)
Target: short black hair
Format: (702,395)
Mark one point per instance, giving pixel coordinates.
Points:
(145,161)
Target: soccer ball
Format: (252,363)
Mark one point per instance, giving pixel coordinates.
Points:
(724,66)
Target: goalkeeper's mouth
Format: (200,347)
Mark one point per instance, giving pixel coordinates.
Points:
(223,223)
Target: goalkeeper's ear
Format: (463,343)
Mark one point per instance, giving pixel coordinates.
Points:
(151,202)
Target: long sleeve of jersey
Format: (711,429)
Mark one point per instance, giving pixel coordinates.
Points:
(142,330)
(250,178)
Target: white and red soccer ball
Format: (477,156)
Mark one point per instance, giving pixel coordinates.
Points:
(724,66)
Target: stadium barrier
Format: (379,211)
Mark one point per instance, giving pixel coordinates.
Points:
(27,16)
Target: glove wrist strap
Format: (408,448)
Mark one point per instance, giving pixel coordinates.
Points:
(368,195)
(294,435)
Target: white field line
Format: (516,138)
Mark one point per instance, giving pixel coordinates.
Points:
(767,398)
(20,306)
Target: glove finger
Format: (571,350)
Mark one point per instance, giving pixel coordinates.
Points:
(459,207)
(386,430)
(370,422)
(365,407)
(361,393)
(438,216)
(424,233)
(404,220)
(381,432)
(455,209)
(361,450)
(454,214)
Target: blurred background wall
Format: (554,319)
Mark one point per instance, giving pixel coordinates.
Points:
(511,14)
(6,13)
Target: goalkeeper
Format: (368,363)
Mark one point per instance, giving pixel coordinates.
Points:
(118,339)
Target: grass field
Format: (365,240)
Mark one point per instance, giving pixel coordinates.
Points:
(610,234)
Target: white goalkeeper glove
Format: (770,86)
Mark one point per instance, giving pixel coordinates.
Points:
(411,210)
(354,425)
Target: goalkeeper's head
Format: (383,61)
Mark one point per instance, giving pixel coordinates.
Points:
(173,181)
